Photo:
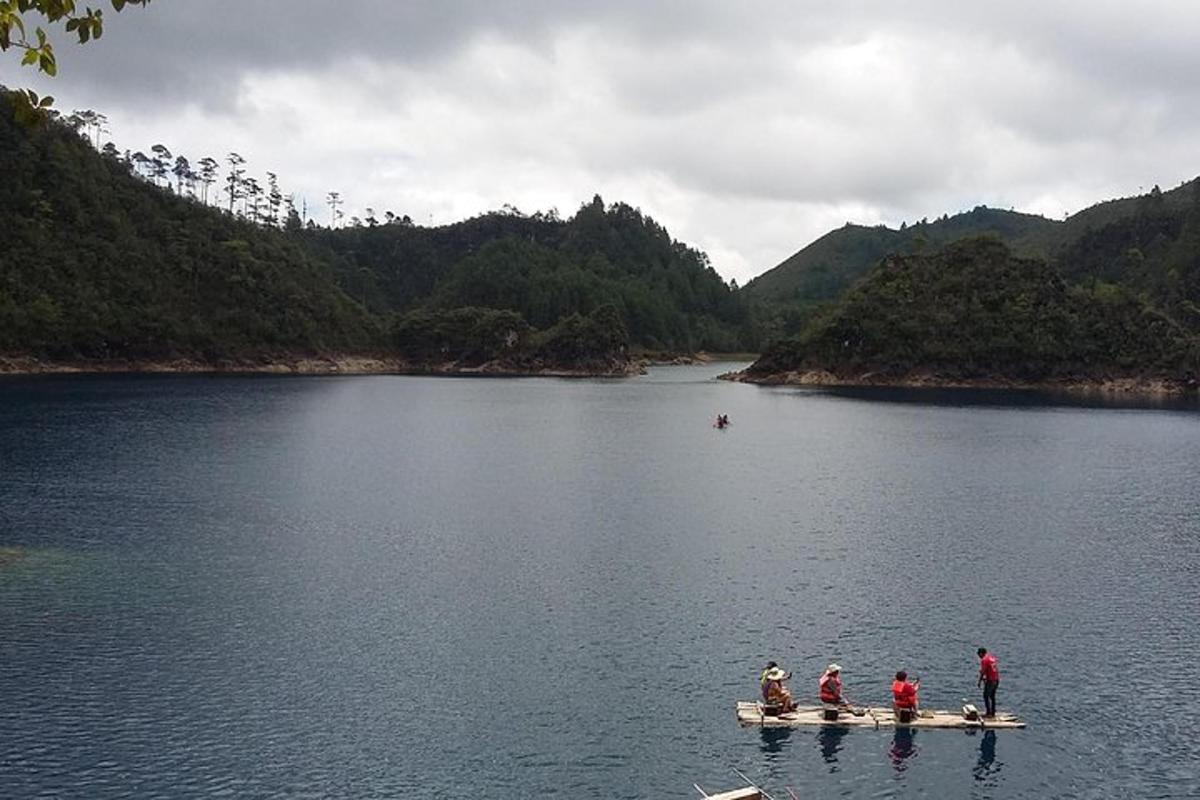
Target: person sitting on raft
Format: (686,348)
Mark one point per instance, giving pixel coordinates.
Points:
(773,691)
(830,686)
(904,694)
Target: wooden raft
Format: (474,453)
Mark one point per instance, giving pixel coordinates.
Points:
(748,793)
(749,713)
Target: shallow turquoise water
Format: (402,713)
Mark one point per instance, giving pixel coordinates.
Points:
(366,586)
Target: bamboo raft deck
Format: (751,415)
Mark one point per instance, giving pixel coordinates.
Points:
(749,714)
(747,793)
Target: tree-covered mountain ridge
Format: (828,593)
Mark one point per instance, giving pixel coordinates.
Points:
(974,313)
(109,259)
(1101,241)
(101,265)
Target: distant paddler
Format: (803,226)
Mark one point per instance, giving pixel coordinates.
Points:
(774,693)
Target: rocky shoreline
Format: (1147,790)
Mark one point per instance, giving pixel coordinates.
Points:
(1156,387)
(308,365)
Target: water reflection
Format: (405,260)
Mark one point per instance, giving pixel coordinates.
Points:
(773,739)
(904,747)
(1009,398)
(986,766)
(830,740)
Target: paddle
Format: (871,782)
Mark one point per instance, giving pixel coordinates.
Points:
(857,709)
(860,710)
(752,784)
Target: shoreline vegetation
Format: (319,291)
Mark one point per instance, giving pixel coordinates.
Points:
(344,364)
(110,266)
(112,256)
(975,315)
(306,365)
(1127,386)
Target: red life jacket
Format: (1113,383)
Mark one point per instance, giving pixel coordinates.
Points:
(904,694)
(831,688)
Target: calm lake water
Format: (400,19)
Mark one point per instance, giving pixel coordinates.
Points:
(359,587)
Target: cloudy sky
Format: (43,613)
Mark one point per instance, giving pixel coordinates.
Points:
(747,128)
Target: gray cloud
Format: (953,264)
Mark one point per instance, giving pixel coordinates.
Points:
(749,129)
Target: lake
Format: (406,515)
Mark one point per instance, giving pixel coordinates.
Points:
(361,587)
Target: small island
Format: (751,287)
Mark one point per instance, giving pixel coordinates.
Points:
(973,314)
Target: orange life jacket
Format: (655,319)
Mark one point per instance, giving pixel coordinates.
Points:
(904,694)
(831,688)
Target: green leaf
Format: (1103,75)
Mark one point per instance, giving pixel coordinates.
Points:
(47,63)
(46,102)
(31,57)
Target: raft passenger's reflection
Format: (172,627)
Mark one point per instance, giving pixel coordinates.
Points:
(773,739)
(903,748)
(987,766)
(829,737)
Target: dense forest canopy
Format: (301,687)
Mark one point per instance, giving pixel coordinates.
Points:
(1142,240)
(95,263)
(823,269)
(131,255)
(117,255)
(975,311)
(668,295)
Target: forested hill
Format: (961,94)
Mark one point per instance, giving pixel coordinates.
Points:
(544,268)
(96,263)
(1150,243)
(975,312)
(99,262)
(824,269)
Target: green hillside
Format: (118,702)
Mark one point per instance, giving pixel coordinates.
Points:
(784,298)
(1148,243)
(96,263)
(667,294)
(100,263)
(975,311)
(1152,246)
(822,270)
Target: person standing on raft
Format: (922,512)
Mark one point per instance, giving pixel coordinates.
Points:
(830,686)
(989,679)
(904,694)
(773,691)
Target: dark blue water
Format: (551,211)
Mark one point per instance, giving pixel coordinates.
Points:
(365,587)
